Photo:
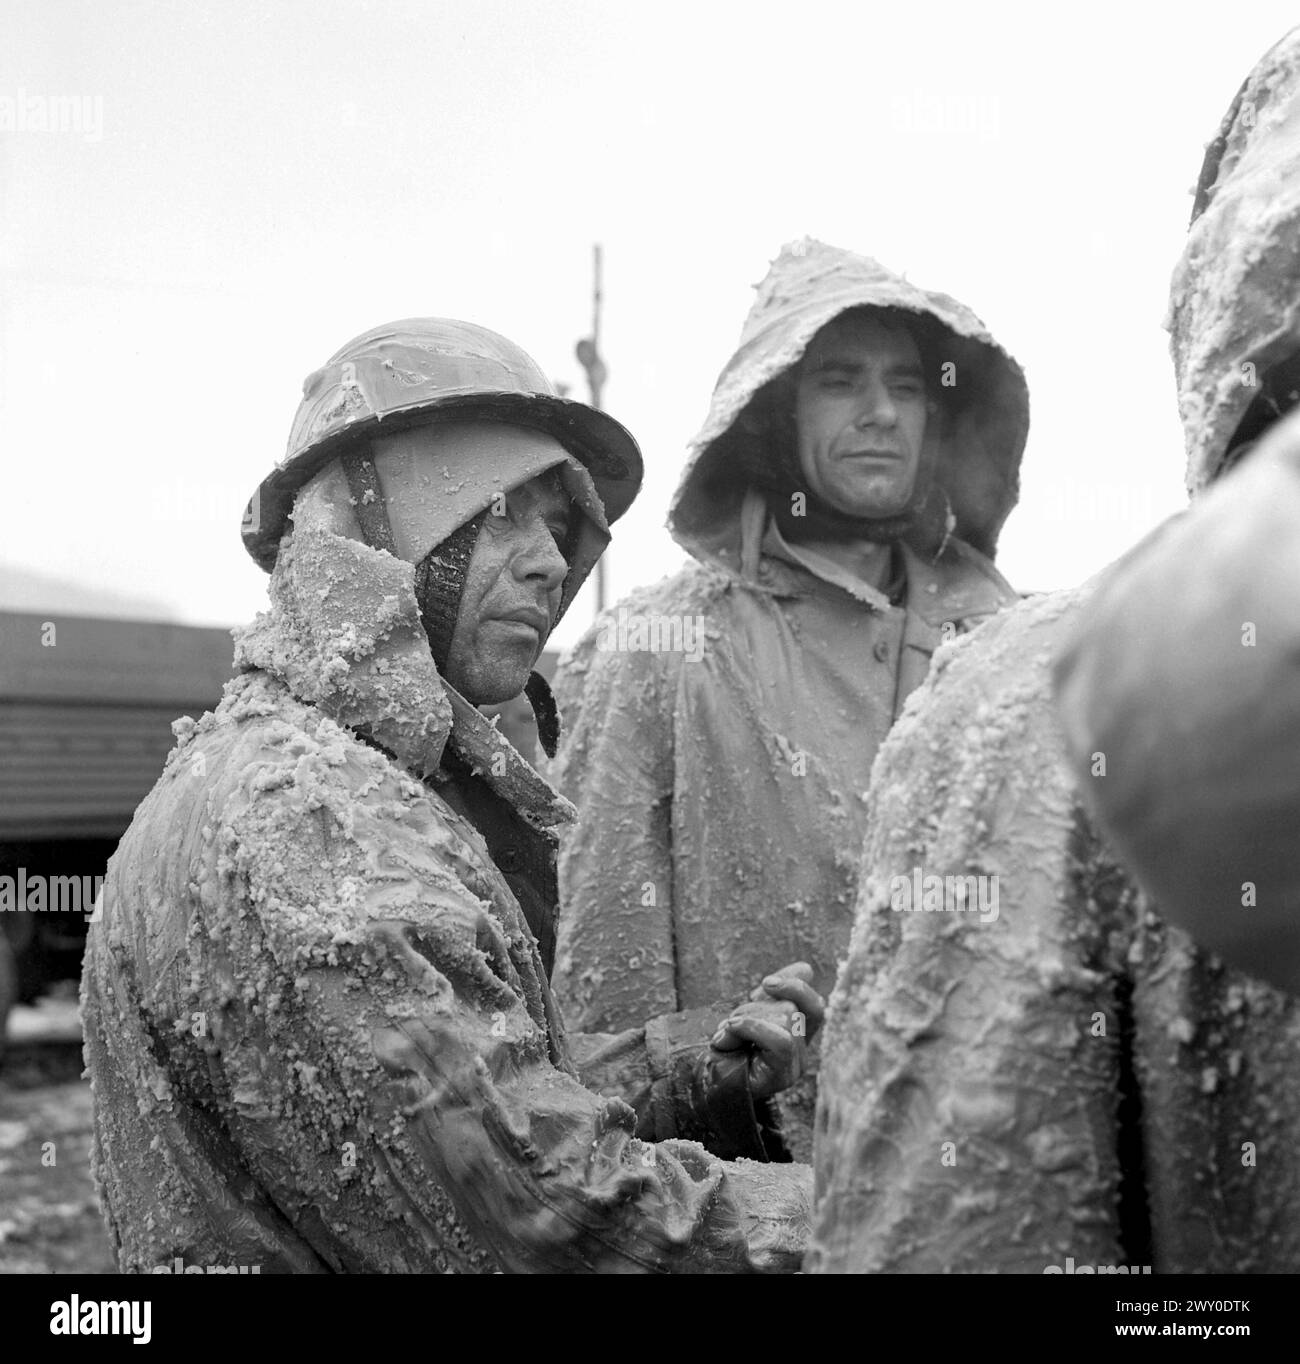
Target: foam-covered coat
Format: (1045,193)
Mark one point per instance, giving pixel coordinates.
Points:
(318,1024)
(719,772)
(1183,667)
(1073,1078)
(1182,672)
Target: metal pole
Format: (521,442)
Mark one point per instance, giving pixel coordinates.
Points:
(589,357)
(596,375)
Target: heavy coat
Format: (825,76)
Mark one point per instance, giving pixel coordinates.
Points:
(318,1024)
(1072,1078)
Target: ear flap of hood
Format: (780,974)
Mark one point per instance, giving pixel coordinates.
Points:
(808,285)
(344,630)
(438,476)
(1234,308)
(344,633)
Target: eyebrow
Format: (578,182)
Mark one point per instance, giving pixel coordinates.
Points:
(905,369)
(562,507)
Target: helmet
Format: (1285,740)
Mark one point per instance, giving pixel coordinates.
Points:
(423,369)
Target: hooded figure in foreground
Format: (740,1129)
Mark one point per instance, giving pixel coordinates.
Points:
(1066,1077)
(842,504)
(1183,669)
(318,1023)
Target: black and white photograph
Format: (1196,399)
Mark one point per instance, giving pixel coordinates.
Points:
(650,639)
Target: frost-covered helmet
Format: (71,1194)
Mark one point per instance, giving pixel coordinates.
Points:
(419,370)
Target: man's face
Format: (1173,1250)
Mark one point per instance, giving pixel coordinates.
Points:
(512,592)
(860,415)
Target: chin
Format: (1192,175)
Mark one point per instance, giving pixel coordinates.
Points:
(874,500)
(495,693)
(494,686)
(876,508)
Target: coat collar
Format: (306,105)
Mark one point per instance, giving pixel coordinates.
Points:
(959,584)
(492,758)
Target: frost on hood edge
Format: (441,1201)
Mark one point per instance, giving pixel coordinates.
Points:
(344,634)
(808,284)
(1235,294)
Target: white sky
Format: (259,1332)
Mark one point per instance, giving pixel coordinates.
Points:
(270,179)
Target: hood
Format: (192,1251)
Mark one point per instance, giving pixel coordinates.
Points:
(343,633)
(1234,309)
(437,477)
(809,284)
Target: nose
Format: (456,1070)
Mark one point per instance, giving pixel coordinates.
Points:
(877,407)
(538,558)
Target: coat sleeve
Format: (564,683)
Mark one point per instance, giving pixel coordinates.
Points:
(1180,699)
(380,995)
(616,964)
(665,1072)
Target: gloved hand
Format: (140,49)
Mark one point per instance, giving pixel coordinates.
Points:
(762,1045)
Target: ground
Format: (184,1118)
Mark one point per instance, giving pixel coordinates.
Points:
(49,1219)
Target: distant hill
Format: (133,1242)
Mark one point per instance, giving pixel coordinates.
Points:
(28,589)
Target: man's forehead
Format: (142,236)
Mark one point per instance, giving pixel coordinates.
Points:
(864,335)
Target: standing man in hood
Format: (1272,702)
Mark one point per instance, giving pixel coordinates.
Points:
(1070,1079)
(317,1012)
(841,504)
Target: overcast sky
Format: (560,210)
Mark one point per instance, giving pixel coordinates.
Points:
(252,184)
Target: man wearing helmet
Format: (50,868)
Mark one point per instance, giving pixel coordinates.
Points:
(316,1005)
(842,504)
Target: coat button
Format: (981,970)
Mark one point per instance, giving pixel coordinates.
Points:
(881,650)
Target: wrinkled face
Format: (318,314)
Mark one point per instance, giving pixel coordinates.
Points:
(860,414)
(512,592)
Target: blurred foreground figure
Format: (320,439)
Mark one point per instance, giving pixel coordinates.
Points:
(1183,670)
(1183,673)
(317,1015)
(842,504)
(1032,1066)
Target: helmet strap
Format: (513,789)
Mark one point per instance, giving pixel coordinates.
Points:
(439,584)
(368,501)
(545,712)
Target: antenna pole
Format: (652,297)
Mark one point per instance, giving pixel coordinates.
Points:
(589,357)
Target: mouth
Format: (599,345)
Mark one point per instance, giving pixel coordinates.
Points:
(872,454)
(531,616)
